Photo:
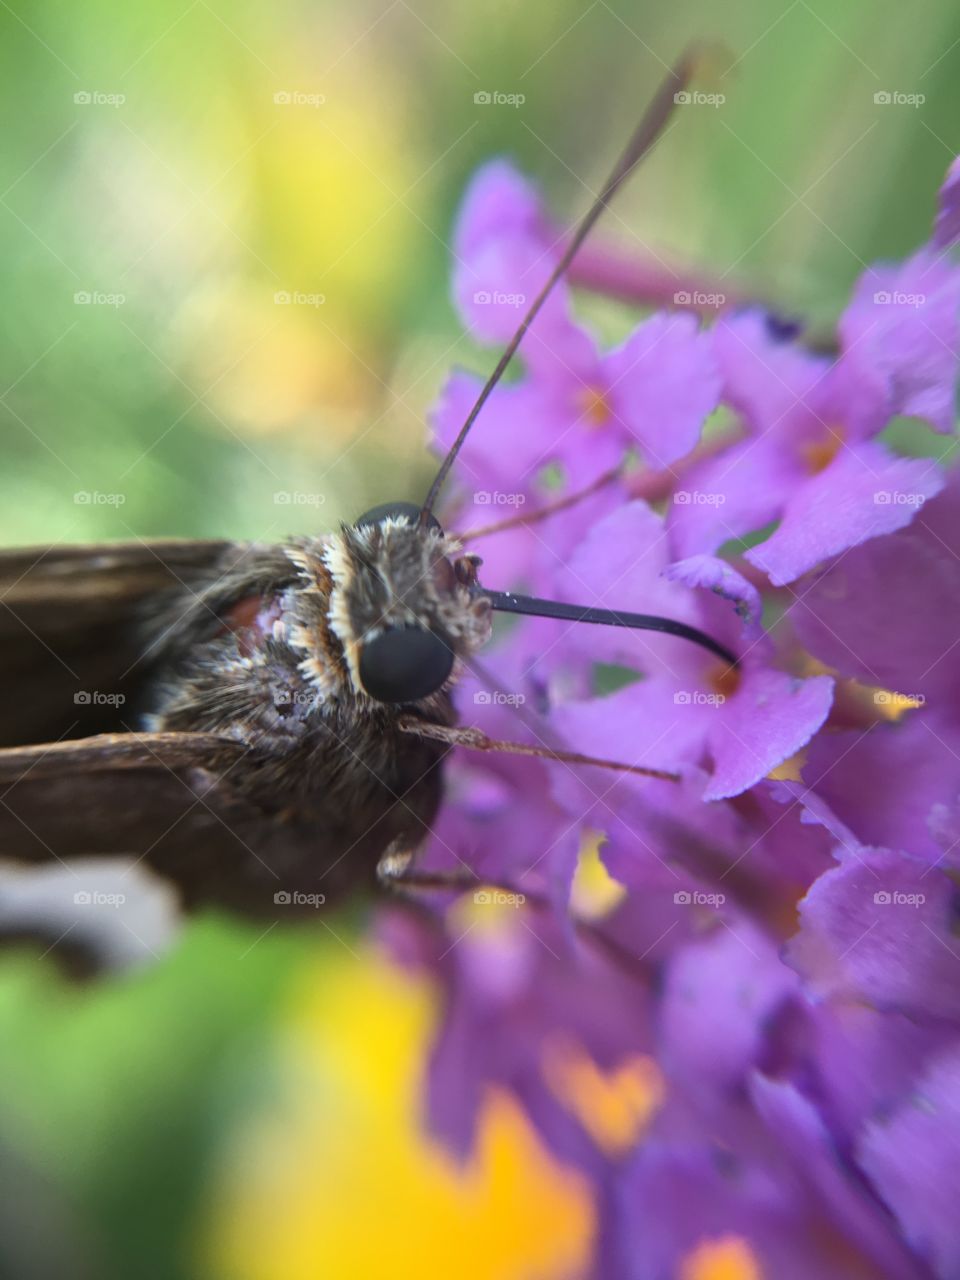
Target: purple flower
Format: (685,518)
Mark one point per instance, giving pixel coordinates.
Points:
(578,407)
(692,709)
(810,459)
(745,1033)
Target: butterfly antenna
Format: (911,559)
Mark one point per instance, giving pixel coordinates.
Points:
(646,134)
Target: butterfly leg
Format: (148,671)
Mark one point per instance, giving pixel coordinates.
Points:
(476,740)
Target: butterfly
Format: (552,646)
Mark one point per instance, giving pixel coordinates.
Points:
(278,715)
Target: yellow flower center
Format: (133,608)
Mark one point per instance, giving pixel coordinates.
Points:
(818,454)
(724,679)
(595,893)
(726,1258)
(613,1106)
(594,407)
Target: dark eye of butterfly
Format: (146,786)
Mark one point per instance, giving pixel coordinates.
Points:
(408,511)
(404,664)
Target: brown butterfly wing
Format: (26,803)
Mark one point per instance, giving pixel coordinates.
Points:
(71,641)
(185,804)
(200,810)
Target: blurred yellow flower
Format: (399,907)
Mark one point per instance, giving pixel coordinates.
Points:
(726,1258)
(337,1177)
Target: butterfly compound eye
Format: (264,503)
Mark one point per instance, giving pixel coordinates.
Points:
(404,664)
(408,511)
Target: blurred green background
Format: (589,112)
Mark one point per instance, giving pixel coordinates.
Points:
(223,235)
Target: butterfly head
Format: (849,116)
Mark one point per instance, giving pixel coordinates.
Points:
(402,604)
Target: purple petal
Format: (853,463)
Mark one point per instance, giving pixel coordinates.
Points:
(886,783)
(499,202)
(765,379)
(888,613)
(723,580)
(619,566)
(510,442)
(662,384)
(719,995)
(913,1159)
(727,497)
(864,1061)
(880,928)
(797,1127)
(946,230)
(494,286)
(863,493)
(904,322)
(769,718)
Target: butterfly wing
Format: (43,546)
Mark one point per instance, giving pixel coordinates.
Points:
(192,808)
(71,640)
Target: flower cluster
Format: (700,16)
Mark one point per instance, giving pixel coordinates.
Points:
(741,1021)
